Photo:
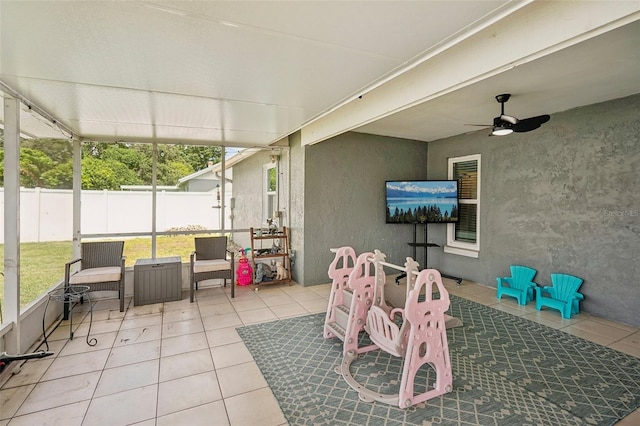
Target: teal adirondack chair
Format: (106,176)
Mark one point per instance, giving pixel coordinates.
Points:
(519,285)
(563,294)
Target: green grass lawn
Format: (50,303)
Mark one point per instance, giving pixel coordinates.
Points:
(42,264)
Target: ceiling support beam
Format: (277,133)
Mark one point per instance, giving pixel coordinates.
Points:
(12,221)
(36,109)
(491,52)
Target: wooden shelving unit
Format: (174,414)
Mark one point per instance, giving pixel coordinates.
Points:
(268,247)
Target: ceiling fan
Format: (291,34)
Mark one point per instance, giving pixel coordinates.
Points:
(506,124)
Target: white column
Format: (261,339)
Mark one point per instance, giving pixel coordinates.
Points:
(154,214)
(12,220)
(223,184)
(77,196)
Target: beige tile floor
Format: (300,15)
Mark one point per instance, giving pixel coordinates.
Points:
(179,363)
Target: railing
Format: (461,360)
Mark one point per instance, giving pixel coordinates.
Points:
(31,315)
(4,330)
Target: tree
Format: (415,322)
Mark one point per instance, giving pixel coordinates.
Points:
(174,161)
(43,163)
(33,163)
(106,174)
(199,156)
(60,177)
(170,173)
(59,151)
(48,163)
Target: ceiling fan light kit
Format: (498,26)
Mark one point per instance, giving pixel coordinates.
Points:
(501,131)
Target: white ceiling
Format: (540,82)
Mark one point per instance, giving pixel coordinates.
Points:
(596,70)
(249,73)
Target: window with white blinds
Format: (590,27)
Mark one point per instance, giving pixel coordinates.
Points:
(463,237)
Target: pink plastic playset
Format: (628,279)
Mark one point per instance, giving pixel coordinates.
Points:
(357,304)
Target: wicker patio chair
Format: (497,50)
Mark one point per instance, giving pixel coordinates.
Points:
(101,268)
(210,260)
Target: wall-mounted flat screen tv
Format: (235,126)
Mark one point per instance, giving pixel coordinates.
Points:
(422,201)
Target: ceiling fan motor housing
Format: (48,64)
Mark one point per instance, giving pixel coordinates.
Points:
(499,122)
(503,98)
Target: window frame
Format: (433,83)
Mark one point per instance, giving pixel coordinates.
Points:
(454,246)
(267,212)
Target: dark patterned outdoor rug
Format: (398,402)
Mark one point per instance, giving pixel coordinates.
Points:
(506,371)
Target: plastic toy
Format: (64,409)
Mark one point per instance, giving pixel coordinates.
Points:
(281,272)
(244,272)
(519,285)
(562,295)
(357,303)
(259,272)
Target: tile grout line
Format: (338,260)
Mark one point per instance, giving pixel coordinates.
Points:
(57,356)
(222,398)
(86,412)
(159,364)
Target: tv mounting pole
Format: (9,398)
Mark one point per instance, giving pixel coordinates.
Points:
(426,244)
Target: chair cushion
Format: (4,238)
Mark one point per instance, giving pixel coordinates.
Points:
(211,265)
(96,275)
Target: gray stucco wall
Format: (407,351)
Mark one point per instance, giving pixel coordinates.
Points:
(247,192)
(344,198)
(563,198)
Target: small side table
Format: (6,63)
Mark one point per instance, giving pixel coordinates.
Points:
(70,295)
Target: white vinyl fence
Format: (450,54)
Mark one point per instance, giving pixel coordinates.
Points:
(46,214)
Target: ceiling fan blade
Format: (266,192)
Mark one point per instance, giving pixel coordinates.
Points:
(532,123)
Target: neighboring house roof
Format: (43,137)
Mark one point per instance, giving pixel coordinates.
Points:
(248,152)
(216,168)
(202,174)
(238,157)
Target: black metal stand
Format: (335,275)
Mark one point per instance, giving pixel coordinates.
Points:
(68,296)
(426,244)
